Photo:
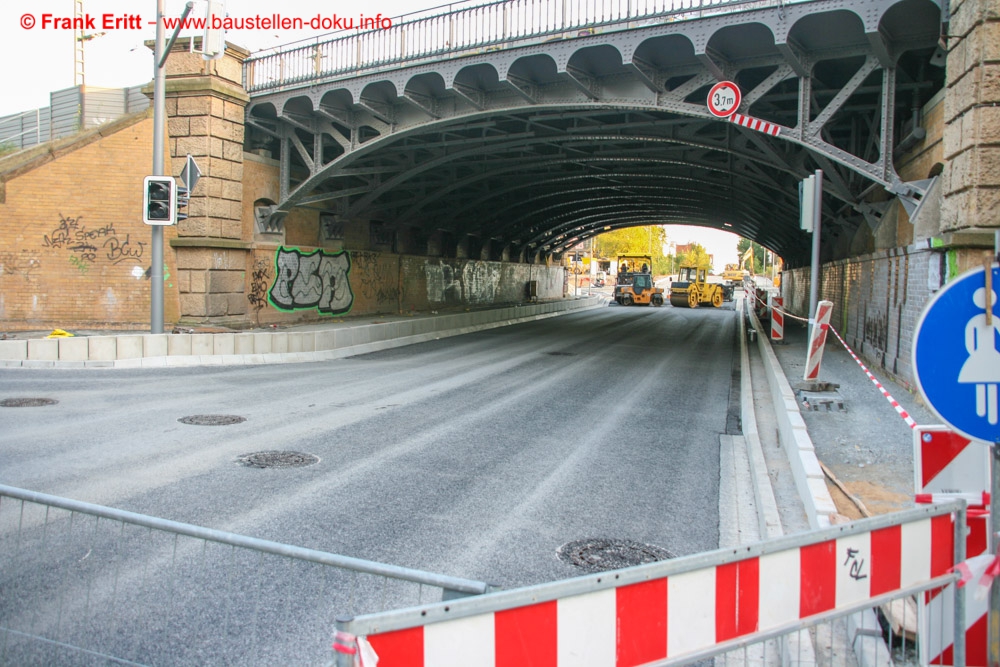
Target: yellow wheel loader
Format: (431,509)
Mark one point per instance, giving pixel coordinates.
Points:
(691,290)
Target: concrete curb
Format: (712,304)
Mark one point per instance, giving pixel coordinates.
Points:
(794,437)
(271,347)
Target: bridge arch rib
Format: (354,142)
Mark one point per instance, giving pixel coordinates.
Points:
(469,145)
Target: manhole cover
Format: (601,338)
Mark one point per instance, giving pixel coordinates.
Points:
(212,420)
(599,555)
(277,459)
(26,402)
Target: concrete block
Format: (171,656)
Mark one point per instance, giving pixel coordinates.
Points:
(361,335)
(38,363)
(131,362)
(179,345)
(154,362)
(129,347)
(326,340)
(43,349)
(821,496)
(800,441)
(810,465)
(279,343)
(243,343)
(73,349)
(155,345)
(261,343)
(14,350)
(301,341)
(103,348)
(224,343)
(377,332)
(202,345)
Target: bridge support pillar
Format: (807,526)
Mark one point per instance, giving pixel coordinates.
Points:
(206,103)
(971,192)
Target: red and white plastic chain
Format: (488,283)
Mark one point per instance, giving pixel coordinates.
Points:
(344,642)
(902,413)
(781,310)
(893,402)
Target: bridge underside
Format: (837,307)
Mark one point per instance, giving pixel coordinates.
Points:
(526,150)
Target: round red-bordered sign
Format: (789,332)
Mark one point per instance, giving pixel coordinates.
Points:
(724,99)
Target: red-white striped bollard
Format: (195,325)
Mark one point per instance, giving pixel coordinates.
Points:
(777,319)
(817,340)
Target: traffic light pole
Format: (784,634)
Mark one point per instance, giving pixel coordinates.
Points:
(160,53)
(159,114)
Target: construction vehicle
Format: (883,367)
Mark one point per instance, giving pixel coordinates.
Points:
(691,289)
(634,283)
(734,274)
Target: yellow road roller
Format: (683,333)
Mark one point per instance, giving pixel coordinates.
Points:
(691,289)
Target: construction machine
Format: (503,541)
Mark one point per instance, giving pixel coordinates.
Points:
(691,289)
(634,283)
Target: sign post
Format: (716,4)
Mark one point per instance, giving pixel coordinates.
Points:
(957,367)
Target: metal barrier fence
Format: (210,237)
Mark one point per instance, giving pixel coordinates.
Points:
(466,31)
(85,584)
(743,605)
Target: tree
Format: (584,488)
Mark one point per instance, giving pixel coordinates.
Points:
(633,241)
(758,254)
(696,256)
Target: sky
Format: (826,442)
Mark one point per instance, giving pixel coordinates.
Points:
(721,244)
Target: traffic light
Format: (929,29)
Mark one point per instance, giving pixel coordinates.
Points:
(183,196)
(159,205)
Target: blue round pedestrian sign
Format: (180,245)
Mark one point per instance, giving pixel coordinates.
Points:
(956,355)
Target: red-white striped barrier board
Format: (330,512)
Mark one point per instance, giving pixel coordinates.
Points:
(777,319)
(949,466)
(663,617)
(756,124)
(818,339)
(945,462)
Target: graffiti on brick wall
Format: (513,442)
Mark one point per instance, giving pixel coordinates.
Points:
(20,264)
(472,283)
(260,278)
(316,279)
(85,245)
(377,281)
(877,331)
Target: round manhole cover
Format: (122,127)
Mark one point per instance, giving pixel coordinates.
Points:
(212,420)
(277,459)
(599,555)
(26,402)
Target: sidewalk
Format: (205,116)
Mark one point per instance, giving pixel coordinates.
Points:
(298,343)
(867,445)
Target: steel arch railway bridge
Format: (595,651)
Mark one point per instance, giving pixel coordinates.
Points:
(522,127)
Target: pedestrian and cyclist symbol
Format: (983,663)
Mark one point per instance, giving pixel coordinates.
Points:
(956,355)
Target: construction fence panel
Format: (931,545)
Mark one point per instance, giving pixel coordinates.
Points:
(683,610)
(82,584)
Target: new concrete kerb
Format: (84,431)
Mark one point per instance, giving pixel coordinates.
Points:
(792,434)
(269,347)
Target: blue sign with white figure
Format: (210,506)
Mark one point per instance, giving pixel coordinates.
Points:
(956,355)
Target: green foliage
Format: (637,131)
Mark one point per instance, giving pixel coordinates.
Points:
(631,241)
(6,148)
(758,254)
(697,256)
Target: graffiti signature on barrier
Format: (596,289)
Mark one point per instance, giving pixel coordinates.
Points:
(259,279)
(314,279)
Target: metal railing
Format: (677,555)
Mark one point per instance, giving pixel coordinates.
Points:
(82,582)
(465,31)
(868,563)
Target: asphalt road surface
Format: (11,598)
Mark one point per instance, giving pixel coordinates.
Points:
(475,456)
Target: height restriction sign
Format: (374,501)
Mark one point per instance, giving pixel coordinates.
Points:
(724,99)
